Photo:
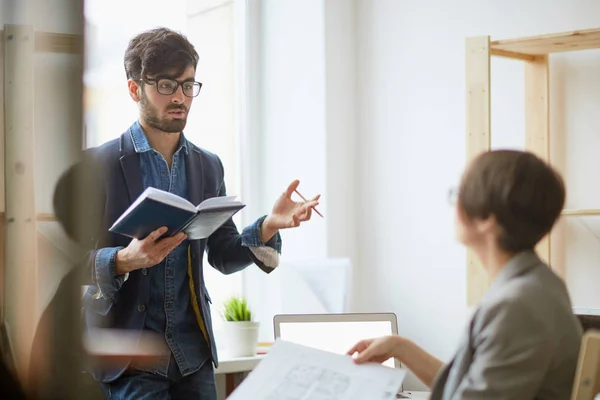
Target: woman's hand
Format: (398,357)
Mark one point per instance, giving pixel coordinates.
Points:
(376,350)
(425,366)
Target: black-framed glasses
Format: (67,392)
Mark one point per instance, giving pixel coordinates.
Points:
(169,86)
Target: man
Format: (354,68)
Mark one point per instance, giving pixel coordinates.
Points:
(156,284)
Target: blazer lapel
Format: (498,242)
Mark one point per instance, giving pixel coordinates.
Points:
(194,176)
(439,384)
(130,163)
(195,181)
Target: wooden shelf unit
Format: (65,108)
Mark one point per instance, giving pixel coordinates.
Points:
(534,52)
(19,218)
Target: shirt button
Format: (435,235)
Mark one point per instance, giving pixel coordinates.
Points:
(144,271)
(141,308)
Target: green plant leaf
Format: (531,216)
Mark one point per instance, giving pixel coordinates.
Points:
(236,309)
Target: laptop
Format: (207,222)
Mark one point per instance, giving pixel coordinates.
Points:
(336,333)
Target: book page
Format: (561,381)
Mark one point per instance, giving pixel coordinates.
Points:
(218,202)
(168,198)
(294,372)
(205,224)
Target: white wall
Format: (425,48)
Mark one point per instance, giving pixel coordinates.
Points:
(293,101)
(576,242)
(411,121)
(341,131)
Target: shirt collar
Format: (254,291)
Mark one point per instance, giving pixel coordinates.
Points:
(141,143)
(518,265)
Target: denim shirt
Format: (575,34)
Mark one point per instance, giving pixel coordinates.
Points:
(169,310)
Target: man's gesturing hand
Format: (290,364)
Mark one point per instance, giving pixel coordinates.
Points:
(147,252)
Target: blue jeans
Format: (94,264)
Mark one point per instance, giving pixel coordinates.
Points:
(142,385)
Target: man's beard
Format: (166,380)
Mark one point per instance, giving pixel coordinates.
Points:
(150,115)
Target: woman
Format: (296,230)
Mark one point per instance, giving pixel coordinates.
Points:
(523,340)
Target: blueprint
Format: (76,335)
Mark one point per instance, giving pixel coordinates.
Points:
(294,372)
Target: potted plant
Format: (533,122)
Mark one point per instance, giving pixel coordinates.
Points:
(240,333)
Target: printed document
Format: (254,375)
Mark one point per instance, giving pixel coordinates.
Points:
(294,372)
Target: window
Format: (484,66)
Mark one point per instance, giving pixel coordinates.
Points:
(210,26)
(213,126)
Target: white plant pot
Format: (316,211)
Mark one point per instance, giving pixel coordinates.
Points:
(240,339)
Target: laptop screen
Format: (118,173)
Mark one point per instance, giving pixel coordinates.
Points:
(336,336)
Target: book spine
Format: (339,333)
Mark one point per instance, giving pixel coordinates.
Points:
(186,224)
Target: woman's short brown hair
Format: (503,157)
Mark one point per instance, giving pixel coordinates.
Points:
(522,192)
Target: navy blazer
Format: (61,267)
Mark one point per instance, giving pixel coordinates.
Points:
(112,181)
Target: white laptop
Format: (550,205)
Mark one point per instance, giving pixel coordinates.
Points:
(336,333)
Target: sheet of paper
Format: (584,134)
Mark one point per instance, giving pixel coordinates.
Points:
(329,280)
(315,286)
(294,372)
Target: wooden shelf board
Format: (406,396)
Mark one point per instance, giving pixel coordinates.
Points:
(573,212)
(41,217)
(50,42)
(554,43)
(513,54)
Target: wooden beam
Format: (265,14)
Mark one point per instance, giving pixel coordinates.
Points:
(2,192)
(48,42)
(512,54)
(45,217)
(478,96)
(478,137)
(585,39)
(581,213)
(21,235)
(40,217)
(537,122)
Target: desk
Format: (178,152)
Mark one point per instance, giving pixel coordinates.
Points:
(240,364)
(233,366)
(417,395)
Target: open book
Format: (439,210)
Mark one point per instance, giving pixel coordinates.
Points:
(155,208)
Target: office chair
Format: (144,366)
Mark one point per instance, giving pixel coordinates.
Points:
(587,376)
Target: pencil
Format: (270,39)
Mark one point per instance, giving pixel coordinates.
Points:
(314,208)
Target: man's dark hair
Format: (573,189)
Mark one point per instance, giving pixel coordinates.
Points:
(155,51)
(522,192)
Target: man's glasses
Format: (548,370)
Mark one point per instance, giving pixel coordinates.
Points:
(169,86)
